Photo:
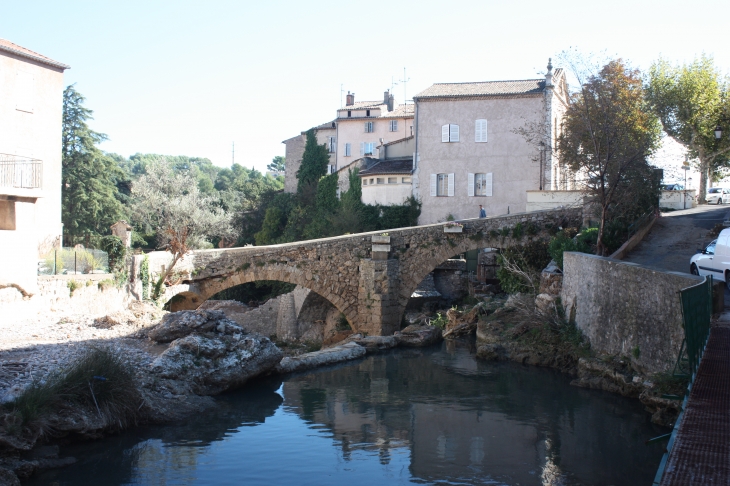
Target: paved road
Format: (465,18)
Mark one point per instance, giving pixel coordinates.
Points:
(676,236)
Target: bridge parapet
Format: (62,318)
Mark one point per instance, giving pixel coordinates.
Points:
(371,293)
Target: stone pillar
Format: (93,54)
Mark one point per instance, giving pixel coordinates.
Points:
(286,321)
(379,313)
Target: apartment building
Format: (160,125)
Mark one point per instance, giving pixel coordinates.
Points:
(31,110)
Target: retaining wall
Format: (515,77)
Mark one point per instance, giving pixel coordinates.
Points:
(626,309)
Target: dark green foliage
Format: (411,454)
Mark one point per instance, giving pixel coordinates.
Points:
(343,324)
(562,243)
(101,382)
(518,231)
(314,165)
(531,258)
(90,195)
(277,164)
(116,250)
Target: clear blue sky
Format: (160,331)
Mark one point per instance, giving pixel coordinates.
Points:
(189,78)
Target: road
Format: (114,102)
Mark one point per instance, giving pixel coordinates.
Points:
(676,236)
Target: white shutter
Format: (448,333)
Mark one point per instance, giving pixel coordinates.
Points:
(480,131)
(488,183)
(347,150)
(433,184)
(453,133)
(362,149)
(451,184)
(445,133)
(470,183)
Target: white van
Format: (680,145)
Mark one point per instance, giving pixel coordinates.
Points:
(714,259)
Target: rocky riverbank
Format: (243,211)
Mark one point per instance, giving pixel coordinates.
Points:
(174,366)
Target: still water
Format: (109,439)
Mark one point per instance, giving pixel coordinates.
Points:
(431,416)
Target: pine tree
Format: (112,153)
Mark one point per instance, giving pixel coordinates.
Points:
(90,202)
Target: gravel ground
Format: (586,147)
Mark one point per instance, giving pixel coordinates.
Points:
(33,348)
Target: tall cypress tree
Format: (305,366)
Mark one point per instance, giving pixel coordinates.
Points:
(90,201)
(314,165)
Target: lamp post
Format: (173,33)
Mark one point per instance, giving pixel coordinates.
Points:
(685,167)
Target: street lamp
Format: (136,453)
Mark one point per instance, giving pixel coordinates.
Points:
(718,132)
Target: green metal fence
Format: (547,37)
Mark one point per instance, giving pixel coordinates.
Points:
(696,314)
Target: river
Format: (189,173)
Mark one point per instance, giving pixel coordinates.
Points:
(425,416)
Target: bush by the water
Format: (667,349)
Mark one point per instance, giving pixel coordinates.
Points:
(520,266)
(100,381)
(584,242)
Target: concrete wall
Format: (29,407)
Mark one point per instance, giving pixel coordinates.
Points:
(678,199)
(513,163)
(386,193)
(626,309)
(34,133)
(406,148)
(538,200)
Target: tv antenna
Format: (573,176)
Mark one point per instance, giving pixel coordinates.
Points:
(404,81)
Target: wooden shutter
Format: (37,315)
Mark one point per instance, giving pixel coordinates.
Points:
(362,149)
(488,184)
(433,184)
(445,133)
(451,184)
(453,133)
(470,184)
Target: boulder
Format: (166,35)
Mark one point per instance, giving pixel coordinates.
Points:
(217,361)
(491,352)
(176,325)
(546,303)
(417,336)
(374,344)
(343,352)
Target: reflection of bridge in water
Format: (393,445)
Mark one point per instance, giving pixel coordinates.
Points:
(369,277)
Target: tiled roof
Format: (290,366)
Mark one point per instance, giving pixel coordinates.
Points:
(323,126)
(401,111)
(363,105)
(7,46)
(397,141)
(487,88)
(395,166)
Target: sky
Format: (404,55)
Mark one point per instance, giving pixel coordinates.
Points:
(193,77)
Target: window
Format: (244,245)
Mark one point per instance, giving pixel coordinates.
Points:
(331,145)
(349,114)
(364,182)
(348,150)
(368,127)
(331,169)
(392,180)
(367,112)
(393,125)
(372,181)
(479,184)
(442,184)
(450,133)
(411,130)
(367,148)
(406,180)
(381,180)
(480,131)
(7,215)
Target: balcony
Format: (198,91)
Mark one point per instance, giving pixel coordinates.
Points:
(20,176)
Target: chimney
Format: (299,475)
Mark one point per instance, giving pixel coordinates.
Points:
(385,97)
(549,75)
(350,99)
(391,101)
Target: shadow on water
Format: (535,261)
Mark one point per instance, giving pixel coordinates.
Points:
(410,416)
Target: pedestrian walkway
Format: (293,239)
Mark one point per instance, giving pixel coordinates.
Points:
(699,452)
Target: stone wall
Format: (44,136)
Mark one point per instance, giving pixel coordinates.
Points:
(450,280)
(626,309)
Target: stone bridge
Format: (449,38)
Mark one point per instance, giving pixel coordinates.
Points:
(369,277)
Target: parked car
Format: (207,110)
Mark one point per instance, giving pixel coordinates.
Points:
(717,195)
(714,259)
(672,187)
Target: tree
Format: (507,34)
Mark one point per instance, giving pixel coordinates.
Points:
(278,164)
(314,165)
(171,204)
(607,137)
(90,196)
(691,100)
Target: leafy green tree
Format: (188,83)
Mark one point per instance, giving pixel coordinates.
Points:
(314,165)
(608,135)
(90,196)
(278,164)
(691,100)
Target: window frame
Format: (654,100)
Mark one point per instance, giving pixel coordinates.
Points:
(369,127)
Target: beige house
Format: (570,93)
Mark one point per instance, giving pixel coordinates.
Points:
(470,151)
(31,110)
(325,134)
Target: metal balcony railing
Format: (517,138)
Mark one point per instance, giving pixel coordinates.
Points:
(20,172)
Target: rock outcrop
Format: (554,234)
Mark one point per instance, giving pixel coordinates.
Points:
(419,336)
(343,352)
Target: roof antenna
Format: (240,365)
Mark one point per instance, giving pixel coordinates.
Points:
(404,81)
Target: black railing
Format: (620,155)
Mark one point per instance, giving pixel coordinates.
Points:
(20,172)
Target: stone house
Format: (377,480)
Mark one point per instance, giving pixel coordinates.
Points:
(470,151)
(31,110)
(294,151)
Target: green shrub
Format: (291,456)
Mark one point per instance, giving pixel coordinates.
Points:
(72,286)
(440,321)
(529,260)
(99,381)
(343,324)
(562,243)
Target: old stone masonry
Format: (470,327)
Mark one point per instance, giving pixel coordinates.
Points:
(369,277)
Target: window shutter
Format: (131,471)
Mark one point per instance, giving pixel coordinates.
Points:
(480,131)
(362,149)
(488,183)
(453,133)
(470,184)
(445,133)
(347,150)
(451,184)
(433,184)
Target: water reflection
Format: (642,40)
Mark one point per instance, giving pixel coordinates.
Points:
(418,416)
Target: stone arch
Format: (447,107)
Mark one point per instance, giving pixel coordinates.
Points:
(206,288)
